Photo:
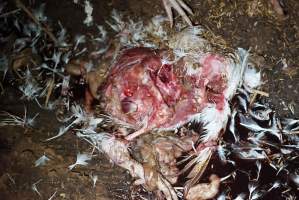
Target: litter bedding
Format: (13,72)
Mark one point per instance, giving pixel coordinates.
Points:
(184,116)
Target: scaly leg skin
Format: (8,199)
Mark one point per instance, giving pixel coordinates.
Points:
(180,7)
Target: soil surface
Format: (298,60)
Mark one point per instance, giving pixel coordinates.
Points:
(274,43)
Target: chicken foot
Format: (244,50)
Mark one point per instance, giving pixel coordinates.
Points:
(181,7)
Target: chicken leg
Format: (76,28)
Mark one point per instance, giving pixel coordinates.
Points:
(181,7)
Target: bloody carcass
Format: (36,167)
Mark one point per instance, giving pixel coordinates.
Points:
(152,90)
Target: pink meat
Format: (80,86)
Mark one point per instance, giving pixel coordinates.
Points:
(141,91)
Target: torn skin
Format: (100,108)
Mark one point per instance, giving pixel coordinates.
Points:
(143,92)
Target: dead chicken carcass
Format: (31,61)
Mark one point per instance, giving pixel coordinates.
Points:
(149,89)
(157,90)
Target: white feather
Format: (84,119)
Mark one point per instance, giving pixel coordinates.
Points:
(295,179)
(243,103)
(235,72)
(259,167)
(88,10)
(240,197)
(252,78)
(34,187)
(94,179)
(221,196)
(253,126)
(253,153)
(221,152)
(62,130)
(213,120)
(232,127)
(203,155)
(274,186)
(79,39)
(81,160)
(253,192)
(52,196)
(41,161)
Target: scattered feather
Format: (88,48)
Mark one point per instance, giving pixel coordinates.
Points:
(274,186)
(34,187)
(20,44)
(240,197)
(244,93)
(52,196)
(94,179)
(295,179)
(221,153)
(81,160)
(252,78)
(81,52)
(30,89)
(79,39)
(103,34)
(10,178)
(221,196)
(61,39)
(213,121)
(41,161)
(13,120)
(62,130)
(259,167)
(66,57)
(249,152)
(88,10)
(290,125)
(253,126)
(232,128)
(39,13)
(260,115)
(117,23)
(242,103)
(253,192)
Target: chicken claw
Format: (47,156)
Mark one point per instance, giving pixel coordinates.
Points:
(180,6)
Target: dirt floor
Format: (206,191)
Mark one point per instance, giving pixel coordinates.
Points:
(274,43)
